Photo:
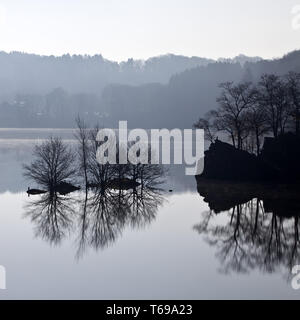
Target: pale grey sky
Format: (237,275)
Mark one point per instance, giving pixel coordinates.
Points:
(121,29)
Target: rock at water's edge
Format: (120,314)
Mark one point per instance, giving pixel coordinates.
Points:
(225,162)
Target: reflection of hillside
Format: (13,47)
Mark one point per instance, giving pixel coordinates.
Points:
(258,227)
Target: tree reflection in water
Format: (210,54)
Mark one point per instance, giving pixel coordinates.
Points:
(53,216)
(261,234)
(98,216)
(105,214)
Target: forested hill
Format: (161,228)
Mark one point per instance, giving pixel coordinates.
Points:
(167,91)
(189,94)
(23,73)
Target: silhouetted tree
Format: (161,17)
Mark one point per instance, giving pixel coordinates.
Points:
(234,102)
(208,126)
(293,86)
(82,136)
(273,97)
(98,173)
(53,163)
(256,120)
(230,117)
(248,112)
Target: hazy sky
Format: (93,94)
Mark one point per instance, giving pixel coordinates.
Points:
(120,29)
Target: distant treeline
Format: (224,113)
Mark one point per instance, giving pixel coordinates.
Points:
(54,110)
(184,88)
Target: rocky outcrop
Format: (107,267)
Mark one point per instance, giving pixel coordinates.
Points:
(233,177)
(278,161)
(283,154)
(225,162)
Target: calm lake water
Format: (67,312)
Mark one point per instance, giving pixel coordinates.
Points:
(174,248)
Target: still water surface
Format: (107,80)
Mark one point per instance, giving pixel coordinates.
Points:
(176,249)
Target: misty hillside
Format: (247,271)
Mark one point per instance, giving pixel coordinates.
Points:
(33,74)
(187,95)
(242,59)
(167,91)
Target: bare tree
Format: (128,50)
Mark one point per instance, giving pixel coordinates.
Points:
(208,126)
(53,163)
(234,102)
(99,173)
(274,99)
(257,124)
(248,112)
(230,117)
(293,85)
(82,137)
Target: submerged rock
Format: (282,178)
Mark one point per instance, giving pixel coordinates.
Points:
(122,184)
(31,192)
(64,188)
(118,184)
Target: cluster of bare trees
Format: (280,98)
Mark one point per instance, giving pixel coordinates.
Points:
(105,175)
(116,195)
(55,162)
(247,112)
